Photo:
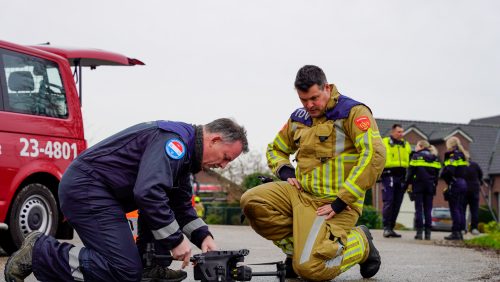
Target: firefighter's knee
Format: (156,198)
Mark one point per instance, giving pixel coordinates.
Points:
(316,270)
(252,206)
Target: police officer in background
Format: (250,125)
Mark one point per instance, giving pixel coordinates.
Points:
(454,172)
(474,179)
(422,177)
(311,214)
(145,167)
(397,160)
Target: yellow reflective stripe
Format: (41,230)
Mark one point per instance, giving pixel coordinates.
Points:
(459,162)
(354,247)
(281,144)
(366,154)
(360,202)
(353,189)
(315,182)
(424,163)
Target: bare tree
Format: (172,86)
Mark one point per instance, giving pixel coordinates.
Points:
(246,164)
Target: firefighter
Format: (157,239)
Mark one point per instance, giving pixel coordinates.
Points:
(422,177)
(311,214)
(454,172)
(396,162)
(145,167)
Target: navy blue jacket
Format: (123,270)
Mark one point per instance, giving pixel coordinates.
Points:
(148,167)
(473,176)
(423,172)
(455,166)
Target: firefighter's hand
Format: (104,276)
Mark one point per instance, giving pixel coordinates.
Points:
(182,252)
(327,210)
(208,244)
(294,182)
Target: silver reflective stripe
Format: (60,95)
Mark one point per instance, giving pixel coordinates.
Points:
(337,260)
(311,238)
(74,263)
(365,156)
(339,138)
(358,192)
(166,231)
(340,173)
(192,226)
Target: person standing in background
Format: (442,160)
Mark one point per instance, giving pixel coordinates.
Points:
(422,177)
(397,160)
(474,179)
(454,171)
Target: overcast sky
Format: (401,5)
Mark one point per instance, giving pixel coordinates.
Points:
(417,60)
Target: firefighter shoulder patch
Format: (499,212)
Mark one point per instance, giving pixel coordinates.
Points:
(175,149)
(363,123)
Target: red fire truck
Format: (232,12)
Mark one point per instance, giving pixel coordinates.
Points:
(41,132)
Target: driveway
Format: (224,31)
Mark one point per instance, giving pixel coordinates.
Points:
(403,259)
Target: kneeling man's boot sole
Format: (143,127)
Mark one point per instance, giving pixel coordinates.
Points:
(19,265)
(372,263)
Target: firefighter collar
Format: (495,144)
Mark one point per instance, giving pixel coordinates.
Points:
(175,149)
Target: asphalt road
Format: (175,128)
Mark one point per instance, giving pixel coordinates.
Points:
(403,259)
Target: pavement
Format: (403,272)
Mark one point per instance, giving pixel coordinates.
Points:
(403,259)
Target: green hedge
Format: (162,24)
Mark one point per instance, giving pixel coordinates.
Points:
(370,217)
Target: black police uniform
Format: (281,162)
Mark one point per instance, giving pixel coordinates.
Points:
(474,179)
(453,173)
(423,174)
(145,167)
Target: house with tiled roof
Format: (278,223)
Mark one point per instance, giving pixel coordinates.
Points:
(481,137)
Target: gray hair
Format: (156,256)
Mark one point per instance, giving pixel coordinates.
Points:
(231,132)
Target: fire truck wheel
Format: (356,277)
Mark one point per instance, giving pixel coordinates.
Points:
(34,208)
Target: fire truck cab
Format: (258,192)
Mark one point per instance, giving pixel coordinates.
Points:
(41,132)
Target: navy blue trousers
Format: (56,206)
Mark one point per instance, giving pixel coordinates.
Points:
(110,253)
(392,196)
(471,198)
(456,203)
(423,209)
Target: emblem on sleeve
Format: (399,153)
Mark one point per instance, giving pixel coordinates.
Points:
(175,149)
(362,122)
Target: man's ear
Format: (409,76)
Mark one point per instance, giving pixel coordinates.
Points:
(328,87)
(215,138)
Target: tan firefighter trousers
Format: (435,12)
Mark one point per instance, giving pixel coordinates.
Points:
(321,250)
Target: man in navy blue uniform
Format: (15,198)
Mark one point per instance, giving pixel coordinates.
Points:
(145,167)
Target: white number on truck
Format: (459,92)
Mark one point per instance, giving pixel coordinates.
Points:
(53,150)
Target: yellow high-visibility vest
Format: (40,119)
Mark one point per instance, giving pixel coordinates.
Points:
(397,155)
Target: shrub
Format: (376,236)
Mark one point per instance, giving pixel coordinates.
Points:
(370,218)
(213,219)
(484,214)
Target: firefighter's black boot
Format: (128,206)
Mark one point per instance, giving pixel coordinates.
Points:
(372,263)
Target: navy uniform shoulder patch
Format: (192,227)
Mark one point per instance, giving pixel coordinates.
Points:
(175,149)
